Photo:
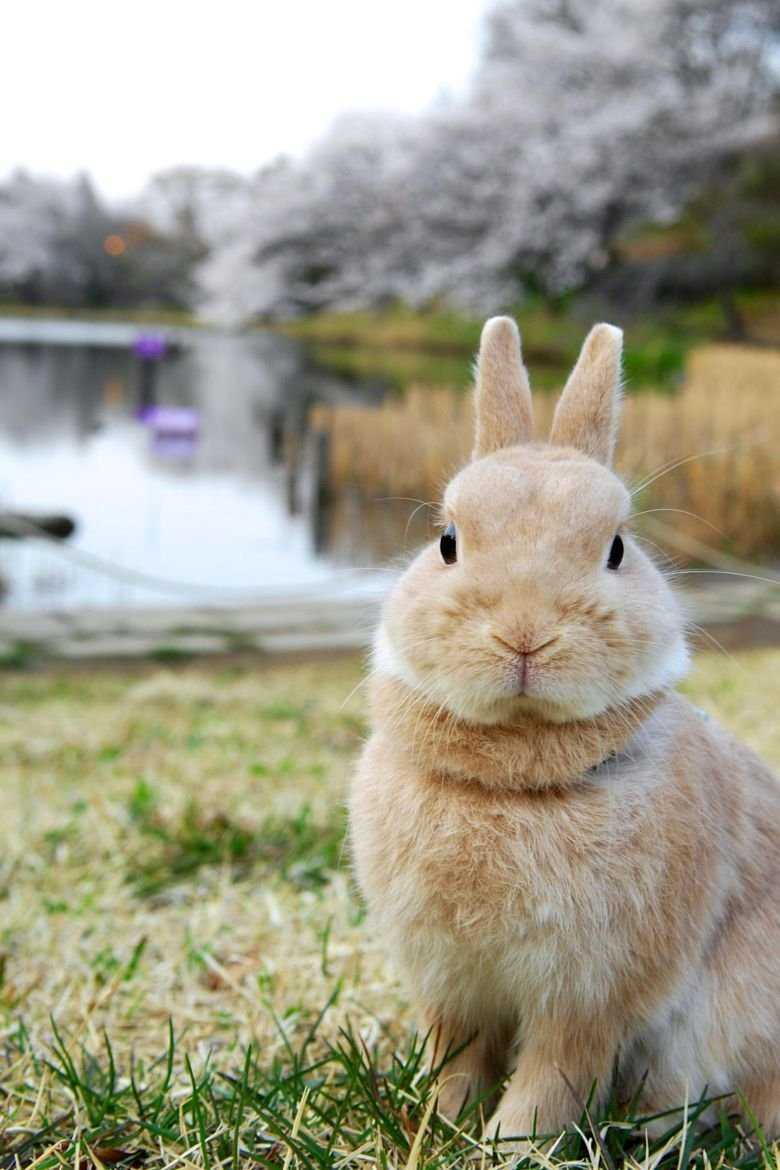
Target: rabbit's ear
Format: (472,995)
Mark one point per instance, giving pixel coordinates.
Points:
(586,416)
(503,395)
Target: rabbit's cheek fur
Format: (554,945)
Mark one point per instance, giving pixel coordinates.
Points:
(563,651)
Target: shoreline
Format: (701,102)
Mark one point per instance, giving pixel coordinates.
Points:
(737,613)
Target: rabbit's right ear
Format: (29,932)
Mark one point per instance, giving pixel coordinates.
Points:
(502,394)
(586,416)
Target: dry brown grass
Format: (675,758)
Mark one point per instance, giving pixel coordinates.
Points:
(94,773)
(720,430)
(127,904)
(406,446)
(723,431)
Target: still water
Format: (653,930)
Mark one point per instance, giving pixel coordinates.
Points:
(171,466)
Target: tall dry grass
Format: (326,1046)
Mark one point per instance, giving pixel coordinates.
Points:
(709,454)
(405,446)
(725,426)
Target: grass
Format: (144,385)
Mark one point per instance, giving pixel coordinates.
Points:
(186,976)
(17,655)
(154,315)
(399,345)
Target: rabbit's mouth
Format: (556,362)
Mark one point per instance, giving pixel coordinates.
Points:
(522,674)
(527,680)
(525,674)
(544,685)
(528,666)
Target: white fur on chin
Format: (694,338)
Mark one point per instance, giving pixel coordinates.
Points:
(667,672)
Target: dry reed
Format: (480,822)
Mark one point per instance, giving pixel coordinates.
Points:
(717,437)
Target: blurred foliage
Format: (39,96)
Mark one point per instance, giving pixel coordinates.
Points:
(62,245)
(709,274)
(399,347)
(725,243)
(624,152)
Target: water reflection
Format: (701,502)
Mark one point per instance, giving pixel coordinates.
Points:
(198,490)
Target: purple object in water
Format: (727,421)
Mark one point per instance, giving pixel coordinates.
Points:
(172,420)
(175,430)
(174,446)
(150,347)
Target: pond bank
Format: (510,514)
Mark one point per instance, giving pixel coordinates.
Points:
(735,613)
(276,626)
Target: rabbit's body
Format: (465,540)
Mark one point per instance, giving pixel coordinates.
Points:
(568,863)
(585,918)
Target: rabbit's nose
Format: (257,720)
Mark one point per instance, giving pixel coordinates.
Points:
(532,644)
(543,645)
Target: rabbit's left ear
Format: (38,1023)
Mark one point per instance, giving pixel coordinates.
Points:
(586,416)
(502,394)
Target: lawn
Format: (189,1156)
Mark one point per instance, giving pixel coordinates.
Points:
(186,975)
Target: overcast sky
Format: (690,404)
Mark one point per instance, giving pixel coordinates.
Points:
(123,90)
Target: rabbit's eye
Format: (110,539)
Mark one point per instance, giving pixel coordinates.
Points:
(449,545)
(615,553)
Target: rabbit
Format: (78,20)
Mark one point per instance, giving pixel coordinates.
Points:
(571,867)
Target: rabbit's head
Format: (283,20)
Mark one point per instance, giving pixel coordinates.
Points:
(536,601)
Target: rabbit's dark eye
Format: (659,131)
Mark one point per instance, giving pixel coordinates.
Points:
(449,545)
(615,553)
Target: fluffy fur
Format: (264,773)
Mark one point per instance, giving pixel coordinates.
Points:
(568,863)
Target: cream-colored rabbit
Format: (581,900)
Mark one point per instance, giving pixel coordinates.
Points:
(568,863)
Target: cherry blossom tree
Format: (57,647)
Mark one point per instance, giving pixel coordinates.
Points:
(582,118)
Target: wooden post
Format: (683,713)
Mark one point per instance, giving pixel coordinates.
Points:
(322,494)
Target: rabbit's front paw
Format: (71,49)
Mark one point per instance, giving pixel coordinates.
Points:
(513,1140)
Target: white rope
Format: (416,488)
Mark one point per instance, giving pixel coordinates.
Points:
(27,528)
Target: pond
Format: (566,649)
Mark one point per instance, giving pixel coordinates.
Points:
(180,457)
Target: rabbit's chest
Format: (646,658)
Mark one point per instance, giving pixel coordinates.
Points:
(504,871)
(490,898)
(476,868)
